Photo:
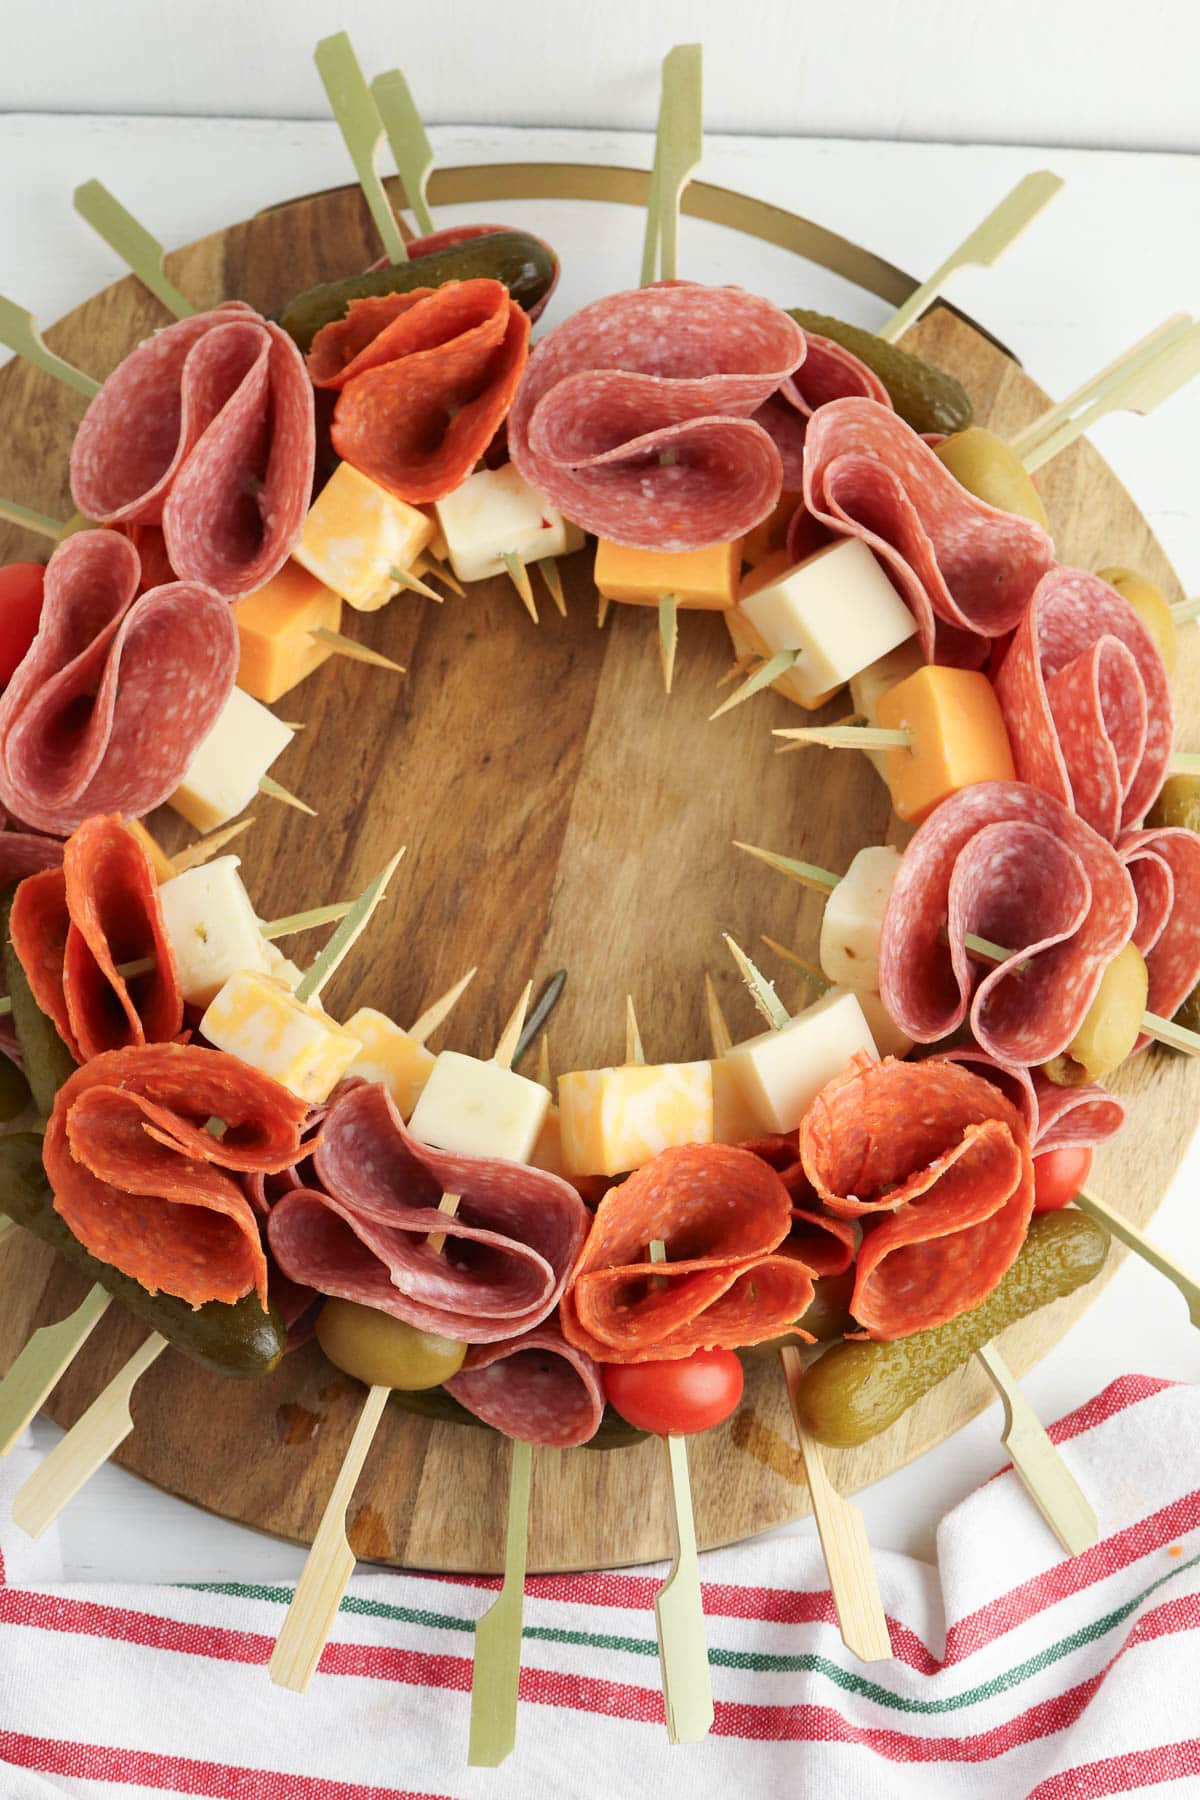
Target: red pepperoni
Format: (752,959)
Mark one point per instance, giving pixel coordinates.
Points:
(1087,701)
(1056,1118)
(108,708)
(207,429)
(721,1212)
(535,1387)
(966,569)
(937,1163)
(1010,864)
(145,1187)
(824,1245)
(1165,866)
(424,380)
(508,1250)
(634,416)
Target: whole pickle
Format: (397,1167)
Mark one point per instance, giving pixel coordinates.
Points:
(523,263)
(47,1060)
(239,1340)
(858,1388)
(926,398)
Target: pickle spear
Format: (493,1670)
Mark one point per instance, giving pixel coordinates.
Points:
(925,397)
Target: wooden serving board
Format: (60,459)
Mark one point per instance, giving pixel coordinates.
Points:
(559,810)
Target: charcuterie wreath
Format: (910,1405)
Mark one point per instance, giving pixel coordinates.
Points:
(310,827)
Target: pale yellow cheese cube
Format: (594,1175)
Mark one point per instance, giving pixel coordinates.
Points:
(889,1039)
(391,1057)
(614,1120)
(853,920)
(212,928)
(477,1108)
(255,1018)
(782,1071)
(749,642)
(223,776)
(356,533)
(868,687)
(494,512)
(734,1118)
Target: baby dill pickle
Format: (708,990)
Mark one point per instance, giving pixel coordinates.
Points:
(47,1060)
(926,398)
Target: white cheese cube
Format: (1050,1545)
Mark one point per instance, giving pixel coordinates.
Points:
(495,511)
(870,684)
(853,920)
(734,1118)
(258,1020)
(391,1057)
(782,1071)
(356,533)
(477,1108)
(212,927)
(614,1120)
(281,968)
(838,609)
(889,1039)
(223,776)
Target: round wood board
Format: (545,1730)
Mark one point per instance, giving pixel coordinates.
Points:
(559,810)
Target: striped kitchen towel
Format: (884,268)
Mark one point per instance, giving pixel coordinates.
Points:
(1016,1671)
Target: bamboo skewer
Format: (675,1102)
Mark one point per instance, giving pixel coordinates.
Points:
(345,646)
(358,119)
(679,147)
(275,790)
(496,1672)
(668,637)
(1146,1248)
(883,737)
(410,146)
(19,332)
(132,242)
(518,574)
(205,848)
(41,524)
(1137,387)
(1137,355)
(552,576)
(42,1363)
(411,582)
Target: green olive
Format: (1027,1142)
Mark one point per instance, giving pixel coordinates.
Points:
(986,466)
(385,1352)
(1111,1027)
(76,522)
(14,1091)
(1150,604)
(1178,803)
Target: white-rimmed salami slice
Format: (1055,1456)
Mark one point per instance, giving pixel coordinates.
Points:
(1087,701)
(1011,864)
(116,692)
(1165,867)
(966,569)
(1056,1118)
(508,1250)
(829,372)
(535,1387)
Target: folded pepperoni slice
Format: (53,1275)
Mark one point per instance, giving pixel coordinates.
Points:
(39,926)
(424,380)
(146,1187)
(535,1387)
(1165,867)
(1087,701)
(823,1243)
(937,1162)
(1011,864)
(966,569)
(721,1213)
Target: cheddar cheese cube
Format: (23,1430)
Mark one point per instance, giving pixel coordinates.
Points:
(782,1071)
(548,1151)
(223,776)
(164,868)
(770,537)
(958,737)
(869,686)
(495,512)
(614,1120)
(275,627)
(478,1108)
(258,1020)
(437,545)
(391,1057)
(212,928)
(853,920)
(356,533)
(705,580)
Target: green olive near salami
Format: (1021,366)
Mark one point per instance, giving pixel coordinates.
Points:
(1178,803)
(1150,604)
(383,1351)
(858,1388)
(1111,1027)
(991,470)
(47,1060)
(926,398)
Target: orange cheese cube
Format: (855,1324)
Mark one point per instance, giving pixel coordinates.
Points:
(275,627)
(164,868)
(704,580)
(958,738)
(771,536)
(437,545)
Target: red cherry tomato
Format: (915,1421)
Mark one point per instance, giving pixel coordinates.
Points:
(20,609)
(1058,1176)
(673,1398)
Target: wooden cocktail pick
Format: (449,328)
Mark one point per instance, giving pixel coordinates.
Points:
(1170,331)
(358,117)
(275,790)
(1136,383)
(496,1676)
(981,247)
(543,1006)
(409,143)
(40,523)
(346,646)
(42,1363)
(19,332)
(136,246)
(1146,1248)
(678,149)
(883,737)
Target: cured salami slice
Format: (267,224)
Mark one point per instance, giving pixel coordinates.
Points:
(424,380)
(634,416)
(829,372)
(721,1212)
(146,1187)
(1056,1118)
(966,569)
(535,1387)
(1087,701)
(116,692)
(937,1163)
(824,1244)
(1165,866)
(207,429)
(508,1250)
(1013,865)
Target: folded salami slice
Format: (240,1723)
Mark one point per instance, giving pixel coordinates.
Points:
(25,853)
(1013,865)
(938,1162)
(146,1187)
(424,380)
(829,372)
(824,1244)
(535,1387)
(508,1250)
(115,693)
(207,429)
(634,416)
(1056,1118)
(1087,701)
(966,569)
(721,1213)
(1165,866)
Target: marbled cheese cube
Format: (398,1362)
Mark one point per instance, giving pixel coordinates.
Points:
(614,1120)
(223,776)
(391,1057)
(255,1018)
(212,928)
(356,533)
(782,1071)
(477,1108)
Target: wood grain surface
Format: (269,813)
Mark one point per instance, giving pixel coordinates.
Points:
(559,810)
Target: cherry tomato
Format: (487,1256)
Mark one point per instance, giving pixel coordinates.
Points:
(673,1398)
(1058,1176)
(20,609)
